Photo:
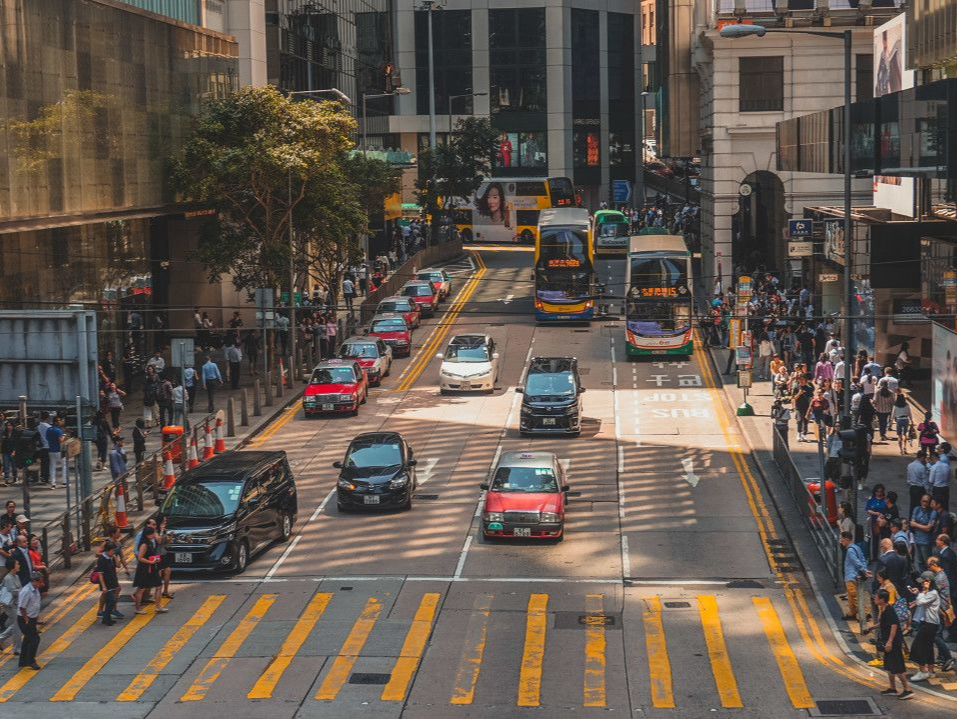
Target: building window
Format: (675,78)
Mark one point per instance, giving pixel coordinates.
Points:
(761,84)
(521,149)
(452,55)
(864,76)
(516,40)
(621,65)
(586,90)
(585,147)
(621,149)
(374,60)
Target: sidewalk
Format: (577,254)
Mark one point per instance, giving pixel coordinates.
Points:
(887,466)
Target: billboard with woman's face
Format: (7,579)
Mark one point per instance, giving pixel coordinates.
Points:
(494,208)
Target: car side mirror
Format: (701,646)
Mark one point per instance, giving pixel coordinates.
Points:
(337,465)
(252,503)
(566,487)
(495,355)
(483,485)
(413,462)
(519,390)
(438,355)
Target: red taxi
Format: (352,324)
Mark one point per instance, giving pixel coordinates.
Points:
(372,354)
(404,306)
(441,278)
(392,329)
(424,293)
(338,385)
(526,498)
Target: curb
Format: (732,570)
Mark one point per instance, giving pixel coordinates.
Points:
(812,579)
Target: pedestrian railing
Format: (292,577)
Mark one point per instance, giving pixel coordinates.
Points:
(811,505)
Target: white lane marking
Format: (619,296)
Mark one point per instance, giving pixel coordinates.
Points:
(295,542)
(675,582)
(511,413)
(689,475)
(437,578)
(426,471)
(462,557)
(621,460)
(625,558)
(471,262)
(508,299)
(528,355)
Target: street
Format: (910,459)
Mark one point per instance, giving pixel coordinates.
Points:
(675,593)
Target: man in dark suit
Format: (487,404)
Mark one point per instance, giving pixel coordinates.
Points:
(894,565)
(22,555)
(944,551)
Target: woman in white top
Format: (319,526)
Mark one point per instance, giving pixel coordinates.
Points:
(926,610)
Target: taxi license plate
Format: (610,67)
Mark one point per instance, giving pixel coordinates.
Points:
(328,407)
(522,531)
(548,420)
(371,499)
(184,558)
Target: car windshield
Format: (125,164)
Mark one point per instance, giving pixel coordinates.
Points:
(394,306)
(202,499)
(391,325)
(431,276)
(333,375)
(350,350)
(368,453)
(463,353)
(525,479)
(417,291)
(550,383)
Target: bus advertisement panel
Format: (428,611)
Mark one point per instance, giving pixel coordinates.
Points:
(659,302)
(564,266)
(507,209)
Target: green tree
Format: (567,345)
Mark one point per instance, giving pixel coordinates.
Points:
(263,160)
(454,171)
(375,179)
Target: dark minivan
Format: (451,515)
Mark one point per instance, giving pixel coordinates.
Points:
(227,509)
(551,399)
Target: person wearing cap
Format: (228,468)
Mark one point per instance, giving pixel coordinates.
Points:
(925,610)
(117,458)
(28,605)
(109,582)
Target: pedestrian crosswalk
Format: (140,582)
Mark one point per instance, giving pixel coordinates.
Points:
(487,649)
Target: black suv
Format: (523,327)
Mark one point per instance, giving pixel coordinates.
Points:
(552,397)
(227,509)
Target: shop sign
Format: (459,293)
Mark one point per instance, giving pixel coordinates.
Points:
(949,283)
(834,242)
(744,289)
(800,249)
(828,277)
(909,312)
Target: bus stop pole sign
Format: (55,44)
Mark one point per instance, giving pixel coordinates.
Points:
(620,191)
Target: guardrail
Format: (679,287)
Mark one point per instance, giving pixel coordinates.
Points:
(809,505)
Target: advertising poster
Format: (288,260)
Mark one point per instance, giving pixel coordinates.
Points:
(892,193)
(943,398)
(493,210)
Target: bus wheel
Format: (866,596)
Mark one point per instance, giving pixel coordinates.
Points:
(527,237)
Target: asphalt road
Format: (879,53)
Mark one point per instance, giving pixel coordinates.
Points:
(672,594)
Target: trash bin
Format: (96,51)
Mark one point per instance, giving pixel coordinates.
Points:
(171,437)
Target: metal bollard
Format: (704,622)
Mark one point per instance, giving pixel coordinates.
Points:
(85,512)
(257,406)
(268,387)
(243,411)
(230,420)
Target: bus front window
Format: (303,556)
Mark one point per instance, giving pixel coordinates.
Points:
(651,319)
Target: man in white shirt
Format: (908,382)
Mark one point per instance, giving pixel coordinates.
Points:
(28,606)
(42,428)
(868,382)
(888,380)
(839,370)
(157,363)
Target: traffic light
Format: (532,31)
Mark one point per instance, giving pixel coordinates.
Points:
(854,446)
(27,445)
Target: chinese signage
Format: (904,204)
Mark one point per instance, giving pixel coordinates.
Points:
(564,263)
(659,292)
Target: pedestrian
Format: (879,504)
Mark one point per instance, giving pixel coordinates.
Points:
(765,353)
(115,397)
(139,441)
(891,639)
(925,608)
(210,377)
(54,443)
(940,477)
(108,581)
(163,538)
(855,571)
(883,404)
(189,384)
(902,364)
(28,604)
(235,324)
(157,363)
(251,346)
(117,458)
(147,577)
(332,331)
(164,398)
(945,553)
(234,356)
(823,370)
(917,480)
(874,508)
(942,585)
(44,449)
(9,605)
(922,522)
(348,292)
(103,431)
(901,413)
(928,433)
(151,386)
(282,329)
(8,448)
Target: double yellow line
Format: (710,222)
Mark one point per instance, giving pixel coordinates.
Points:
(441,331)
(804,619)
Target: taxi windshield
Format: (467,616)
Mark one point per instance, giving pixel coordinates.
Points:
(391,325)
(525,479)
(431,276)
(333,375)
(462,353)
(394,306)
(417,291)
(350,350)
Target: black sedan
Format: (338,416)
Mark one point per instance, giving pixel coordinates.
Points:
(378,472)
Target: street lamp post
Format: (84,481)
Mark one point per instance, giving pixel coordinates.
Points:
(343,98)
(737,31)
(376,96)
(456,97)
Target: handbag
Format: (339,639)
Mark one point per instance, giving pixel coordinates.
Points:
(95,577)
(947,616)
(911,433)
(901,610)
(6,597)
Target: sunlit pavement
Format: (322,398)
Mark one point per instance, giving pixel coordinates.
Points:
(671,595)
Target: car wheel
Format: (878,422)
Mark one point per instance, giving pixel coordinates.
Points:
(442,390)
(561,537)
(285,525)
(242,557)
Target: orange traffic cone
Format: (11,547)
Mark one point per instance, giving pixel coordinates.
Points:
(208,452)
(220,437)
(193,458)
(169,474)
(121,507)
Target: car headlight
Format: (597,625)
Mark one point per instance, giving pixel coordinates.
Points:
(346,397)
(494,516)
(571,409)
(399,482)
(309,400)
(346,484)
(550,517)
(401,343)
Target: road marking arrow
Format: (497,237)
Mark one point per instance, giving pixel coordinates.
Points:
(690,477)
(424,474)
